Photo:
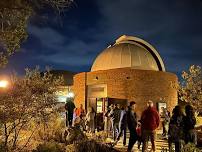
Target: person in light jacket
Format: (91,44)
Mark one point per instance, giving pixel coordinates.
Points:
(90,120)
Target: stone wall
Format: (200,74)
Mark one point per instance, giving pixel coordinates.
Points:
(131,84)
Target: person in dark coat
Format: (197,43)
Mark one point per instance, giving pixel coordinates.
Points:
(132,124)
(189,125)
(69,107)
(175,131)
(122,126)
(150,120)
(115,117)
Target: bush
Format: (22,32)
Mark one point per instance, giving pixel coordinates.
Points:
(70,148)
(89,146)
(100,136)
(190,148)
(199,120)
(53,129)
(73,134)
(50,147)
(2,148)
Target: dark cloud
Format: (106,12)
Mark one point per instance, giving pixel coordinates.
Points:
(173,27)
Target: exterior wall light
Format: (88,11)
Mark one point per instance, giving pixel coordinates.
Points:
(70,95)
(3,84)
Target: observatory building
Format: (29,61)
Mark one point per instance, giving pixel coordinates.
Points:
(129,70)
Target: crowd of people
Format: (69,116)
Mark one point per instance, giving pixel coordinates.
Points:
(178,129)
(78,117)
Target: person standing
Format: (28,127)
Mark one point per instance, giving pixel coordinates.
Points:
(150,122)
(132,124)
(90,118)
(122,126)
(165,121)
(115,117)
(107,122)
(139,134)
(81,111)
(81,114)
(74,116)
(189,125)
(175,131)
(69,107)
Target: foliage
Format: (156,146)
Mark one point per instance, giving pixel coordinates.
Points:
(100,136)
(186,148)
(70,148)
(190,89)
(90,146)
(190,148)
(198,120)
(50,130)
(73,134)
(50,147)
(14,17)
(28,98)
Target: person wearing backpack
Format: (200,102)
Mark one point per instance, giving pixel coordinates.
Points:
(189,125)
(175,132)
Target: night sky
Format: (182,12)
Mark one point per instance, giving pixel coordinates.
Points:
(71,42)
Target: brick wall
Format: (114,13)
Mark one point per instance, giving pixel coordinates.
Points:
(79,89)
(131,84)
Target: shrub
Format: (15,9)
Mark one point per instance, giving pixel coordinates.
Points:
(190,148)
(50,147)
(89,146)
(70,148)
(100,136)
(53,129)
(73,134)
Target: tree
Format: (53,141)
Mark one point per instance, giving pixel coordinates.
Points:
(14,17)
(27,99)
(190,89)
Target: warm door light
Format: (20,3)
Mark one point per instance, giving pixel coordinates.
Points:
(70,95)
(3,83)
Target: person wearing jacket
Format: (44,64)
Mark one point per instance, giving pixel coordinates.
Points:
(175,131)
(132,124)
(166,118)
(150,122)
(90,120)
(122,125)
(115,117)
(69,107)
(189,125)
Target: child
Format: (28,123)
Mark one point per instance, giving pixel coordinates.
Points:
(139,134)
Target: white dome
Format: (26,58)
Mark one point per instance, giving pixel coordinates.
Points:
(130,52)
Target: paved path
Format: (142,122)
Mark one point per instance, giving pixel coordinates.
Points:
(160,144)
